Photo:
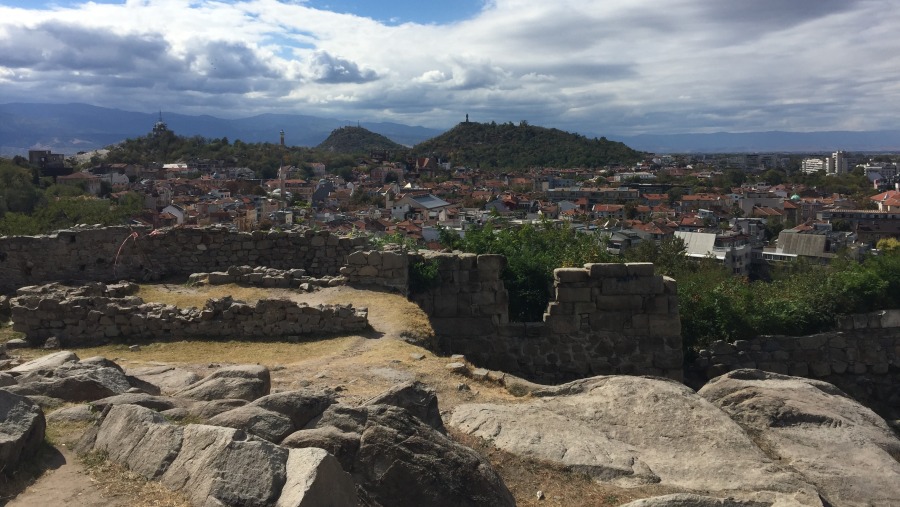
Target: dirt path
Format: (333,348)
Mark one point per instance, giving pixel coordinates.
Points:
(66,482)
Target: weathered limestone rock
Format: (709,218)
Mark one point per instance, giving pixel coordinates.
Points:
(73,381)
(212,468)
(300,406)
(140,439)
(45,363)
(316,479)
(22,427)
(245,382)
(169,379)
(845,449)
(397,450)
(257,421)
(417,398)
(157,403)
(633,431)
(77,413)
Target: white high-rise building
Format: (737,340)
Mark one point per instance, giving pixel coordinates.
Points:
(837,164)
(812,165)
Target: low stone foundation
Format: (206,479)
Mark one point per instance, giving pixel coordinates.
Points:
(97,313)
(266,277)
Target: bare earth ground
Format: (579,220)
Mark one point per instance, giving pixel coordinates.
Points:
(358,366)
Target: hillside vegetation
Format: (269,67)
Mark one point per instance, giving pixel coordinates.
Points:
(508,146)
(357,140)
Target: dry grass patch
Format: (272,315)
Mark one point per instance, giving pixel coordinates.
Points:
(184,296)
(7,333)
(114,480)
(202,351)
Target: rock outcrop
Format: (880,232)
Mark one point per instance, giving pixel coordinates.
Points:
(305,448)
(22,427)
(844,449)
(633,431)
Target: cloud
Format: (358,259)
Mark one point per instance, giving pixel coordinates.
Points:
(616,66)
(324,68)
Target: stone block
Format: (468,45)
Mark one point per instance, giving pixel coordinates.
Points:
(572,295)
(562,324)
(357,259)
(368,271)
(641,269)
(799,369)
(668,360)
(813,342)
(374,259)
(607,270)
(490,264)
(670,286)
(720,347)
(890,319)
(838,366)
(664,325)
(570,275)
(393,260)
(819,369)
(618,303)
(880,368)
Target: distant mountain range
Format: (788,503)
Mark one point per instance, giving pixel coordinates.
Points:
(766,142)
(70,128)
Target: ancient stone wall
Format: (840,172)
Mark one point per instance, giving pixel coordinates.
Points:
(97,313)
(389,269)
(117,253)
(605,319)
(863,359)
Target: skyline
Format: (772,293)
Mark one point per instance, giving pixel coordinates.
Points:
(597,68)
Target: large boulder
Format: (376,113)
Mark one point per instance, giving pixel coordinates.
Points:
(300,406)
(169,379)
(45,363)
(73,381)
(633,431)
(417,398)
(157,403)
(22,428)
(842,447)
(402,461)
(140,439)
(224,466)
(243,382)
(315,479)
(258,421)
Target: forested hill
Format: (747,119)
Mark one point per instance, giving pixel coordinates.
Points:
(357,140)
(509,146)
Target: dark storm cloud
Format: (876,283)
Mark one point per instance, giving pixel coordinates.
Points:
(54,46)
(228,60)
(328,69)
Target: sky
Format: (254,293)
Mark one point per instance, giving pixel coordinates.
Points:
(597,67)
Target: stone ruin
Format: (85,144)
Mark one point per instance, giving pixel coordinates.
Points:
(262,276)
(97,313)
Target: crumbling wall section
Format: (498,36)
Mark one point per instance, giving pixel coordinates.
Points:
(97,313)
(110,254)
